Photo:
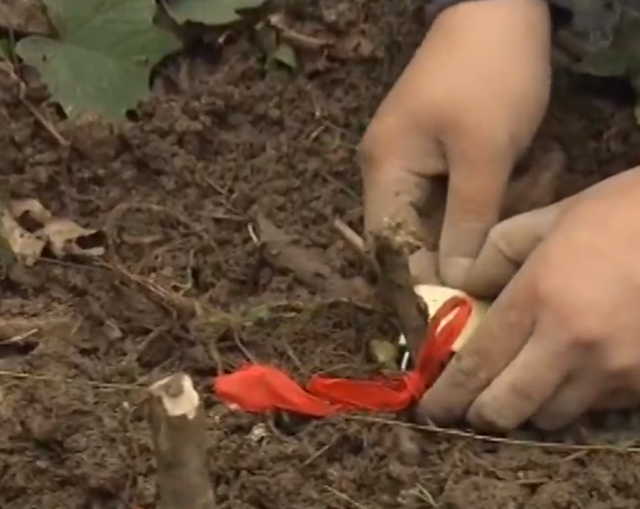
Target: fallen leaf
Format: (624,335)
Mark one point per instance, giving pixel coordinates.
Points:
(25,16)
(101,61)
(30,227)
(606,63)
(68,238)
(32,208)
(622,56)
(384,353)
(286,56)
(27,247)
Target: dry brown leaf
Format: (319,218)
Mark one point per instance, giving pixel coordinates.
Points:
(26,246)
(66,237)
(33,208)
(30,228)
(25,16)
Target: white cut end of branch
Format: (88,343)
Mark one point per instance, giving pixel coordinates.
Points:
(178,396)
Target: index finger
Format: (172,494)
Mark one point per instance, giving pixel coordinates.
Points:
(498,339)
(477,185)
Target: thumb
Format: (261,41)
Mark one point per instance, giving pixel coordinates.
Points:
(477,184)
(507,247)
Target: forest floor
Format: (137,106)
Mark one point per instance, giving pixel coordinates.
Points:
(222,138)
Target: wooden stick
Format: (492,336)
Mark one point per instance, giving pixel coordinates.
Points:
(351,237)
(177,425)
(356,242)
(392,247)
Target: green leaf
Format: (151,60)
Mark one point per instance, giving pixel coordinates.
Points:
(606,63)
(622,57)
(209,12)
(102,59)
(5,49)
(286,56)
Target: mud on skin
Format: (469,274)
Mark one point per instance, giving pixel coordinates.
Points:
(287,145)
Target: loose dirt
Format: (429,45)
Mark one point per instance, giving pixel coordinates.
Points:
(175,193)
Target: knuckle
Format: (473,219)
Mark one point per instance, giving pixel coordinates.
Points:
(620,367)
(500,237)
(575,327)
(452,394)
(376,143)
(468,370)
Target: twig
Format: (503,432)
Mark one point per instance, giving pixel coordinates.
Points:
(345,497)
(424,494)
(19,338)
(430,428)
(294,38)
(9,69)
(49,127)
(242,348)
(354,240)
(176,418)
(56,324)
(68,381)
(183,307)
(320,451)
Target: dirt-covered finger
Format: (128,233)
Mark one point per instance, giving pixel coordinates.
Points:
(477,187)
(507,247)
(492,346)
(524,386)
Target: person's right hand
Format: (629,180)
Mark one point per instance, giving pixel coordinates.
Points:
(467,106)
(561,338)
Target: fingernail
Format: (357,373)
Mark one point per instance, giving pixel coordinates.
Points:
(454,270)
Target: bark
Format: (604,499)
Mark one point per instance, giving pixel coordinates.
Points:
(176,418)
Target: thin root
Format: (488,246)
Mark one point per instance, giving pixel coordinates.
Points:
(430,428)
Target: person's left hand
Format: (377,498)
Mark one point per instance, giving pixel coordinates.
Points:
(563,337)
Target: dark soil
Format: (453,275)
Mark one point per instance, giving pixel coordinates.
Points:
(175,193)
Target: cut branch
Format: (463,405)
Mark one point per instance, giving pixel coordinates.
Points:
(392,251)
(177,425)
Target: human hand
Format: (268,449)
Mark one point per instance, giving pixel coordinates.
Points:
(563,337)
(467,106)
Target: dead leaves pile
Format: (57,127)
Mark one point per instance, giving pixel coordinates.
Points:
(32,231)
(26,16)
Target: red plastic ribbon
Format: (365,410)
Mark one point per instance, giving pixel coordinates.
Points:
(259,388)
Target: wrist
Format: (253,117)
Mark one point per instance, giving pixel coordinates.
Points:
(518,28)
